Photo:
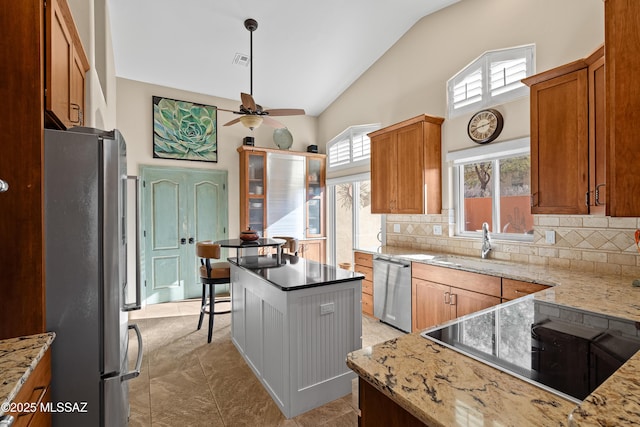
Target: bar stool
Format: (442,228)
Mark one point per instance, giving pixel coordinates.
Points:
(211,275)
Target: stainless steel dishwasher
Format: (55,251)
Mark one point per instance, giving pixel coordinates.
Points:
(392,291)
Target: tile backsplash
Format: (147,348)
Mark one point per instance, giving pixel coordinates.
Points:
(595,244)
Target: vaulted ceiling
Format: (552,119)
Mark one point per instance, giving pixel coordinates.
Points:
(305,53)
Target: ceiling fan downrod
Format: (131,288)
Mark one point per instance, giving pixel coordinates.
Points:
(251,25)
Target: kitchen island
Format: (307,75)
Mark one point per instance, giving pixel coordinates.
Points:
(420,381)
(294,325)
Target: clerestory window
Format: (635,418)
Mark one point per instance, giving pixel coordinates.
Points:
(491,79)
(350,148)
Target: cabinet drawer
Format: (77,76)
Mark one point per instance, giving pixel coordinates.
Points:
(367,287)
(512,289)
(367,271)
(35,389)
(363,259)
(367,304)
(489,285)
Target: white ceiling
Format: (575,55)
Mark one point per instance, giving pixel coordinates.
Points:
(306,52)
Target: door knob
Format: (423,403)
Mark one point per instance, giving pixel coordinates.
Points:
(191,240)
(4,186)
(183,241)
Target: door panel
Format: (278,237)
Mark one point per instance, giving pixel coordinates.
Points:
(430,304)
(180,207)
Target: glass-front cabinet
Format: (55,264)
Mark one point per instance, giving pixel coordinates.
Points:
(315,196)
(269,205)
(253,187)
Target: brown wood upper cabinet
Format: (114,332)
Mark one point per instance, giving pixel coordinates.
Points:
(568,146)
(406,176)
(622,42)
(66,68)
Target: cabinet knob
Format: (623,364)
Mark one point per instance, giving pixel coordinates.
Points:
(4,186)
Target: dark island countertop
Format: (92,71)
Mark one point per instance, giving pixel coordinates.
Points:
(296,272)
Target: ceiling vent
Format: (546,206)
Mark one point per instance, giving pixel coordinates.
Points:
(241,59)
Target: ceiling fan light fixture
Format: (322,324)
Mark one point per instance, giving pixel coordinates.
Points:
(251,121)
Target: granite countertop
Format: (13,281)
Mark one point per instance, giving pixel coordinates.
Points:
(18,358)
(443,387)
(296,272)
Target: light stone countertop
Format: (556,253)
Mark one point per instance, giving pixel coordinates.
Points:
(443,387)
(18,358)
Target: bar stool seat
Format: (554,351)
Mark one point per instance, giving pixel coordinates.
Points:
(212,275)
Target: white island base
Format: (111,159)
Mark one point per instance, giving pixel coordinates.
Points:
(296,340)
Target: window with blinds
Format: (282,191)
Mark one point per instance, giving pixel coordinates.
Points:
(492,79)
(350,148)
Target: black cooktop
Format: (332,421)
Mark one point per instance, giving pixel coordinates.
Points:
(565,350)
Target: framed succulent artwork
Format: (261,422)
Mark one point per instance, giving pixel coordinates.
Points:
(184,130)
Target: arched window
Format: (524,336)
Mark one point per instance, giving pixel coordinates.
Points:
(491,79)
(350,148)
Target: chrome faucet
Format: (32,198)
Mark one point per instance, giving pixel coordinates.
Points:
(486,241)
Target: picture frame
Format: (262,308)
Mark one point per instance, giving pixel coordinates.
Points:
(184,130)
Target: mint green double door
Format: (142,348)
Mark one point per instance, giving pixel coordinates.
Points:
(179,208)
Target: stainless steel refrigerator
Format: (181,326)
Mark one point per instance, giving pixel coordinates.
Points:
(86,276)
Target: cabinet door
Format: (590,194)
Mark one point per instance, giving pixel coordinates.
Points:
(383,177)
(430,304)
(559,145)
(59,58)
(315,196)
(623,106)
(252,191)
(409,194)
(312,250)
(467,302)
(597,138)
(76,90)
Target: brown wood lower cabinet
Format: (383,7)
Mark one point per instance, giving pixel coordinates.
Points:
(376,409)
(434,303)
(312,249)
(439,294)
(364,265)
(34,391)
(513,289)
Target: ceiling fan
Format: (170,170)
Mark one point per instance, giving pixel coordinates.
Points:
(252,114)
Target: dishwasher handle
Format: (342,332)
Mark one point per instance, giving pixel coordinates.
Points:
(392,261)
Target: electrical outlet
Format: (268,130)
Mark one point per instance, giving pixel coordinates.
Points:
(396,228)
(327,308)
(437,230)
(550,237)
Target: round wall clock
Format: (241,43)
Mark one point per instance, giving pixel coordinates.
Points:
(485,126)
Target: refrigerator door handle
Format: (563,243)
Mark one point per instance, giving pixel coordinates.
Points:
(133,374)
(137,305)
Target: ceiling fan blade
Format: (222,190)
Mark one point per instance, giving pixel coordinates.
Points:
(247,101)
(285,112)
(272,122)
(232,122)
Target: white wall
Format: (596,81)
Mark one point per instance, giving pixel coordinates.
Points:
(410,79)
(134,118)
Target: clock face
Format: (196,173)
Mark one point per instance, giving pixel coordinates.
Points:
(485,126)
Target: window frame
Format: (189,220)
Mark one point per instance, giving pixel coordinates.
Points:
(483,63)
(494,153)
(348,135)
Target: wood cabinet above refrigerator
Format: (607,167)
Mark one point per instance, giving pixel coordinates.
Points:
(406,167)
(66,66)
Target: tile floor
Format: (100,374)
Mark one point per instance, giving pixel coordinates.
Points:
(186,382)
